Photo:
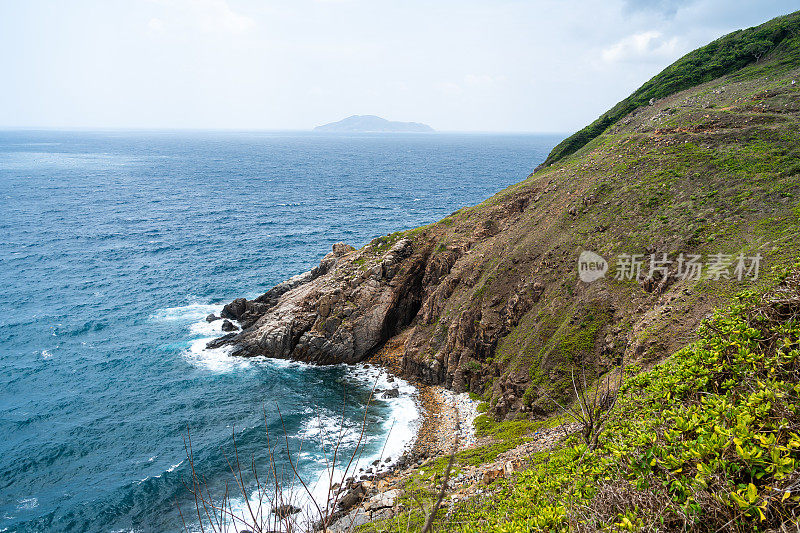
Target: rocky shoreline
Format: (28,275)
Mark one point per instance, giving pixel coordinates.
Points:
(370,493)
(371,306)
(375,497)
(355,302)
(371,496)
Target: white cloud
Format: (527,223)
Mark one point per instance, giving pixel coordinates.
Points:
(156,24)
(449,88)
(666,7)
(215,16)
(648,46)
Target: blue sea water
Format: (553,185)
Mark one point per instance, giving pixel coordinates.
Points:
(116,245)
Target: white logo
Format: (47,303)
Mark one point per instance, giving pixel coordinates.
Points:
(591,266)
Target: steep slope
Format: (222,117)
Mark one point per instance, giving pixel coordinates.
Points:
(723,56)
(490,299)
(707,441)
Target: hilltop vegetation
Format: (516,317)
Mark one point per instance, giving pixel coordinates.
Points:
(724,56)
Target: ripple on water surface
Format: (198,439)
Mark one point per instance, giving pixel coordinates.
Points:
(117,245)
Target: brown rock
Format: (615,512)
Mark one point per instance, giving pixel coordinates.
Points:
(490,476)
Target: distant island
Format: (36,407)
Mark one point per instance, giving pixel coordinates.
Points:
(372,124)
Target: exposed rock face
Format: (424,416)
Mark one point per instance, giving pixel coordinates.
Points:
(282,511)
(346,308)
(355,300)
(338,312)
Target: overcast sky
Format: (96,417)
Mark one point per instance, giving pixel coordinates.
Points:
(469,65)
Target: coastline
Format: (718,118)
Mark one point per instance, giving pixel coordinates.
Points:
(439,407)
(441,414)
(441,422)
(370,495)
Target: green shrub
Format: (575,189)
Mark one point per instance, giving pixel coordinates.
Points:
(709,440)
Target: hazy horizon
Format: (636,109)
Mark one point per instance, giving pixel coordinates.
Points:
(134,129)
(243,65)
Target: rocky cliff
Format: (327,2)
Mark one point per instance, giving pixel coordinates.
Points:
(341,311)
(489,299)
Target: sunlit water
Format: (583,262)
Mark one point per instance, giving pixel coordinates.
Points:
(114,248)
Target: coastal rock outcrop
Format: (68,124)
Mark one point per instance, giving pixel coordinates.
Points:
(452,315)
(340,311)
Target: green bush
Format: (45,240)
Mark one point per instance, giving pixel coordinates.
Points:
(709,440)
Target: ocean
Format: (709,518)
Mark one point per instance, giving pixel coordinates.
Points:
(115,247)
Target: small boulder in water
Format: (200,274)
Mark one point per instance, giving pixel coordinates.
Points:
(227,325)
(287,509)
(212,317)
(391,393)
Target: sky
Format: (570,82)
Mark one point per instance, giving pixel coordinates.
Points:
(457,65)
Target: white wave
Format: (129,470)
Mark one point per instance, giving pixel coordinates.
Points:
(207,329)
(193,317)
(217,360)
(46,354)
(170,469)
(403,423)
(27,504)
(287,363)
(398,435)
(173,467)
(330,429)
(186,313)
(399,428)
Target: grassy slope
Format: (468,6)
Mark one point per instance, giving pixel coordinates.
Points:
(723,56)
(715,168)
(707,441)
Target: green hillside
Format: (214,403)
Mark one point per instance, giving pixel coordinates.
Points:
(704,434)
(723,56)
